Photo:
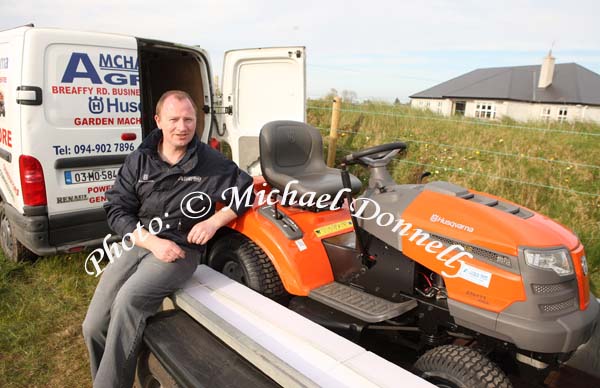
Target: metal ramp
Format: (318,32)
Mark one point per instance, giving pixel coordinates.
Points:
(287,347)
(360,304)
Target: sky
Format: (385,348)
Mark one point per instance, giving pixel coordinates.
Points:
(378,49)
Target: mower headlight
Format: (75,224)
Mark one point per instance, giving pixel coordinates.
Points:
(556,260)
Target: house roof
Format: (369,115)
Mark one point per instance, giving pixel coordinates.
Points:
(572,84)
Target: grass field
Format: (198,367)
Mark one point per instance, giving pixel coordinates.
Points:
(42,304)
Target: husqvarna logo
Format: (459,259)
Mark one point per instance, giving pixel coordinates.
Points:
(439,219)
(96,105)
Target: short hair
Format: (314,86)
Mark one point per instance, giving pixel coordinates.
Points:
(179,95)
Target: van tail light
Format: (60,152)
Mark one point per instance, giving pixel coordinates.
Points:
(32,181)
(214,143)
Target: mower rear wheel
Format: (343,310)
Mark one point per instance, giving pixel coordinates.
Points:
(236,256)
(452,366)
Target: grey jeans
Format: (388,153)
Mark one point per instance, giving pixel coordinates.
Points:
(130,289)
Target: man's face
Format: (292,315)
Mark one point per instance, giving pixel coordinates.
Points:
(177,119)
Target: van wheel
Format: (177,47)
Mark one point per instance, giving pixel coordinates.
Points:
(150,373)
(452,366)
(12,248)
(240,259)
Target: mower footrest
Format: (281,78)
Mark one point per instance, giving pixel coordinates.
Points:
(359,304)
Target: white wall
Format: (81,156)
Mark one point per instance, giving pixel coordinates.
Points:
(520,111)
(440,106)
(524,111)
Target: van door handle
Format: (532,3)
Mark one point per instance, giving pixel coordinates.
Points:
(29,95)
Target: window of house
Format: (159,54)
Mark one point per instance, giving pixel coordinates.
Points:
(459,108)
(562,114)
(485,110)
(546,113)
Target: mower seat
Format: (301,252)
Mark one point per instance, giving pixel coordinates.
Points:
(291,150)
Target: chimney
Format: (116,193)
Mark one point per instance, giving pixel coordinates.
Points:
(547,71)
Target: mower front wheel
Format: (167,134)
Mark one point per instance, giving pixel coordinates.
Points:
(239,258)
(452,366)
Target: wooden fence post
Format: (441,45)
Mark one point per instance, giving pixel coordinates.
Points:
(335,123)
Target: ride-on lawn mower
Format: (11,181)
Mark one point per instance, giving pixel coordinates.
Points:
(468,280)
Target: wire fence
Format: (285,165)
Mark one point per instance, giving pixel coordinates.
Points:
(466,172)
(464,121)
(483,151)
(460,170)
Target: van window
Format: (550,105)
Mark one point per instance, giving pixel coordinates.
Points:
(91,86)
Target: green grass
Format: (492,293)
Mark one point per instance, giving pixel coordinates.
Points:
(42,306)
(469,153)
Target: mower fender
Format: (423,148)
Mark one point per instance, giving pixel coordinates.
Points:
(302,264)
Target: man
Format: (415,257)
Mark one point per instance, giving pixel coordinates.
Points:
(170,164)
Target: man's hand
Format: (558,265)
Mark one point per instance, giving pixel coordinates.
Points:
(166,250)
(205,230)
(202,232)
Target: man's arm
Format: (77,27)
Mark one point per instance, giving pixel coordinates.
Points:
(169,251)
(165,250)
(205,230)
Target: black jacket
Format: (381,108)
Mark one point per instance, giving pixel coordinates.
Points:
(147,187)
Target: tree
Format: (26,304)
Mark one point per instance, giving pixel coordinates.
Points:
(397,101)
(332,93)
(349,96)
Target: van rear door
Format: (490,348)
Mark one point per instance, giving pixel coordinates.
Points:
(259,85)
(81,118)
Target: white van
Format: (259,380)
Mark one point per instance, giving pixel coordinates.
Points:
(74,104)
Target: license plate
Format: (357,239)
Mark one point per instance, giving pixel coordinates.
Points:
(73,177)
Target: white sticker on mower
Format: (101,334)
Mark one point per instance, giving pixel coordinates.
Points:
(301,245)
(474,275)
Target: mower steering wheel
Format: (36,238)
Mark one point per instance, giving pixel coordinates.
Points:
(375,156)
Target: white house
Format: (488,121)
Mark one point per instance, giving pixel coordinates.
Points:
(564,92)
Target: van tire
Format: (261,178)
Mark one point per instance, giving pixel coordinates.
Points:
(240,259)
(12,248)
(150,373)
(460,367)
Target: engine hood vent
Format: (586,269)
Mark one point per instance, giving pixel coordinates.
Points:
(461,192)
